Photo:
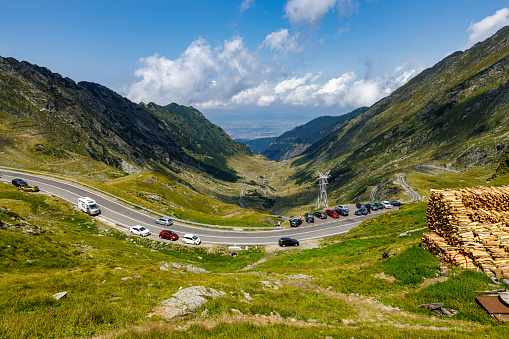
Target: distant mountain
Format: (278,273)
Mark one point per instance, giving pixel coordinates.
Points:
(455,113)
(257,145)
(295,142)
(91,120)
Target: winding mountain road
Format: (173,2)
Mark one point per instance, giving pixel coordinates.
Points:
(124,216)
(415,197)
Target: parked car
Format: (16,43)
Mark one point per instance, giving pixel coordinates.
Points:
(361,211)
(332,213)
(30,188)
(371,207)
(341,211)
(320,214)
(283,242)
(139,230)
(295,222)
(359,205)
(164,221)
(191,239)
(169,235)
(19,182)
(386,204)
(379,205)
(344,207)
(309,217)
(395,203)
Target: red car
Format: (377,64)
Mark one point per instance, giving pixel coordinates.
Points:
(332,213)
(167,234)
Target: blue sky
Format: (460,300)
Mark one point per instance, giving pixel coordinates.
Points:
(248,65)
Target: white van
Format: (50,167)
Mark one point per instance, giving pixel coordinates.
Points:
(88,206)
(344,207)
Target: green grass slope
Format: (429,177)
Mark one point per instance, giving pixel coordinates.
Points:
(340,288)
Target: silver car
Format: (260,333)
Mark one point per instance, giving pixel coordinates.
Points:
(164,221)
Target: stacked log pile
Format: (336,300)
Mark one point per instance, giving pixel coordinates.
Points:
(473,222)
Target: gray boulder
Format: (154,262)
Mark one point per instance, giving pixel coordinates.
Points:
(185,301)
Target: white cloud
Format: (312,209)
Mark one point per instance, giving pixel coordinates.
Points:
(311,12)
(307,11)
(282,41)
(200,75)
(486,27)
(246,4)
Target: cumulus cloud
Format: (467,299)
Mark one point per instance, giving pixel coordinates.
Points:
(311,12)
(229,76)
(488,26)
(201,74)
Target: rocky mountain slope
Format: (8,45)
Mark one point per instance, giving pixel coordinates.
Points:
(91,120)
(454,114)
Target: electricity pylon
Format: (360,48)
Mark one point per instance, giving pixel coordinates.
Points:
(322,195)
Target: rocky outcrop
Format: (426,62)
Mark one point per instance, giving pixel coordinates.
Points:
(185,301)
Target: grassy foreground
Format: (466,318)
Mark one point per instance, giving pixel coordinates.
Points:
(341,288)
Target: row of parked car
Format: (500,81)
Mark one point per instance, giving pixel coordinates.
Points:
(22,184)
(165,234)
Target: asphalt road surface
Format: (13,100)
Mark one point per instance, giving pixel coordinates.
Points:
(410,191)
(124,216)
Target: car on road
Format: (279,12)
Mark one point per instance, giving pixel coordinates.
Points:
(191,239)
(342,211)
(295,222)
(344,207)
(332,213)
(379,205)
(19,182)
(169,235)
(164,221)
(386,204)
(30,188)
(372,207)
(309,217)
(283,242)
(395,203)
(320,214)
(359,205)
(139,230)
(361,211)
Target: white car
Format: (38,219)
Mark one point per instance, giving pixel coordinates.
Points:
(139,230)
(191,239)
(344,207)
(386,204)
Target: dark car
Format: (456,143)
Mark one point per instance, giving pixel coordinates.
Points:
(167,234)
(379,205)
(309,217)
(359,205)
(396,203)
(283,242)
(295,222)
(332,213)
(320,214)
(361,211)
(341,211)
(19,182)
(372,207)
